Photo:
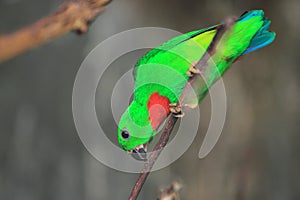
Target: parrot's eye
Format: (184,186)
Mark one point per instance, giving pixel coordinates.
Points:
(125,134)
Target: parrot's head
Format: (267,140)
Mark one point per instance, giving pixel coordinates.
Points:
(135,130)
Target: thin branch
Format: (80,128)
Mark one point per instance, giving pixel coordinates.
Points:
(153,157)
(172,192)
(202,65)
(71,16)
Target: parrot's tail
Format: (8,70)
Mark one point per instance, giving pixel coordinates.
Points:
(263,36)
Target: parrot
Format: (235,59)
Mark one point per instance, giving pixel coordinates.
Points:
(162,73)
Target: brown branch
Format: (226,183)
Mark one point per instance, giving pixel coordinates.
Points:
(71,16)
(202,64)
(172,192)
(153,157)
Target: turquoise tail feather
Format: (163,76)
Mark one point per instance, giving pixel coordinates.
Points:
(263,37)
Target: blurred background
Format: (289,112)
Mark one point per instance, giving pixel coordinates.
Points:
(42,157)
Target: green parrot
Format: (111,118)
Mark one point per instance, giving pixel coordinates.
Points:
(162,73)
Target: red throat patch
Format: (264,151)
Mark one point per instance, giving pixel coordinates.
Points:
(159,109)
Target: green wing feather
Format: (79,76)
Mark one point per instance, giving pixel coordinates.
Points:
(165,67)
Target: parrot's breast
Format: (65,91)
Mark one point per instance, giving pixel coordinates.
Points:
(159,109)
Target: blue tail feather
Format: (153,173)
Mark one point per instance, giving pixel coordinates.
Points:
(263,37)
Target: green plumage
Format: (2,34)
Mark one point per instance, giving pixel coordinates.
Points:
(164,69)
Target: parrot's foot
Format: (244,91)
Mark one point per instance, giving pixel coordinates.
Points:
(176,110)
(193,70)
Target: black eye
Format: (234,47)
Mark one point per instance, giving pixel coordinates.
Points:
(125,134)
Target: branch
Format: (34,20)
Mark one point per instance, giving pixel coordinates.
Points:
(153,157)
(71,16)
(202,65)
(172,192)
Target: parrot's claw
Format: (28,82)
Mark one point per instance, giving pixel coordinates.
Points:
(193,70)
(176,110)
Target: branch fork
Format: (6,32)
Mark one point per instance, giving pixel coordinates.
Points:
(71,16)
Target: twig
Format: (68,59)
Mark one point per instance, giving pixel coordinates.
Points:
(71,16)
(153,157)
(202,64)
(170,193)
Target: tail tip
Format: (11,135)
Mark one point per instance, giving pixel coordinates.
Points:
(263,37)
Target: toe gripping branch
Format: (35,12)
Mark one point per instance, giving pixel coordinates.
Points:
(193,70)
(176,110)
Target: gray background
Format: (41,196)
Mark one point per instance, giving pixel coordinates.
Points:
(41,156)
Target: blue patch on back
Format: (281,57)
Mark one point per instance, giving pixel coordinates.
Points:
(250,14)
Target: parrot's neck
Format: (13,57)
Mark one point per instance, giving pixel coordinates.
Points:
(158,109)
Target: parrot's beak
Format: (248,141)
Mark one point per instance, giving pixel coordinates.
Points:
(140,152)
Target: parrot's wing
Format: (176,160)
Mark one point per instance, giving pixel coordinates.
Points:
(166,66)
(169,45)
